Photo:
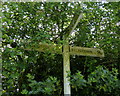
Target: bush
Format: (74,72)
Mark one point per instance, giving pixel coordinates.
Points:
(100,81)
(47,87)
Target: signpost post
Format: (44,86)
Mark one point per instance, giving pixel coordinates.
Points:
(66,67)
(67,51)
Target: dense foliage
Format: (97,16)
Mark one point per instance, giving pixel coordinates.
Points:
(33,72)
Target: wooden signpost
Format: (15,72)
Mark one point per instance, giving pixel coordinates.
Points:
(67,50)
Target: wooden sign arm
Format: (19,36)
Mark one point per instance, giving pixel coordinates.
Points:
(76,23)
(73,24)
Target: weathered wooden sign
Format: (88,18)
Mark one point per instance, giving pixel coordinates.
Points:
(73,50)
(86,51)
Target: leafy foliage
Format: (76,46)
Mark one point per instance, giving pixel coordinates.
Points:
(47,87)
(77,80)
(104,80)
(32,72)
(100,80)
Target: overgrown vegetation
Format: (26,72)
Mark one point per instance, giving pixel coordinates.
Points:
(33,72)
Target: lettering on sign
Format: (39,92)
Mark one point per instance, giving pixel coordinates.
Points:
(86,51)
